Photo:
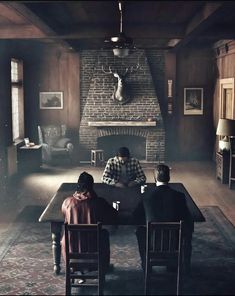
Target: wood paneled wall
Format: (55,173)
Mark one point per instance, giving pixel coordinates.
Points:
(47,67)
(193,135)
(60,71)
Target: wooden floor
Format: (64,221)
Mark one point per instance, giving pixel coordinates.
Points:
(199,178)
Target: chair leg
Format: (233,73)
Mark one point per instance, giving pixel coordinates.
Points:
(179,278)
(146,279)
(68,287)
(68,282)
(101,282)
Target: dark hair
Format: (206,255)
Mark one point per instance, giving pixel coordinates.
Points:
(162,173)
(85,182)
(123,152)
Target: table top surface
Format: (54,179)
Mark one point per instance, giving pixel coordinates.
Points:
(128,197)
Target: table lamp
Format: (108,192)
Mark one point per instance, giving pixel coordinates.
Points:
(226,128)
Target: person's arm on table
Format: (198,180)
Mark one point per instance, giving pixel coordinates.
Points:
(140,177)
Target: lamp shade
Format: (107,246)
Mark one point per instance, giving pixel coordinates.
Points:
(226,127)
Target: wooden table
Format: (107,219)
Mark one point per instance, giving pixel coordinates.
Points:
(128,197)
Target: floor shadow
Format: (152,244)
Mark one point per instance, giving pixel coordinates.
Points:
(30,214)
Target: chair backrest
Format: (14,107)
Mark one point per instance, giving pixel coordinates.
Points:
(50,134)
(40,136)
(82,242)
(164,241)
(83,249)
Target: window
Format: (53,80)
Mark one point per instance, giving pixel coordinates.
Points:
(17,99)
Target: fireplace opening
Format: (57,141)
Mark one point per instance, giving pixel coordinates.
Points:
(110,145)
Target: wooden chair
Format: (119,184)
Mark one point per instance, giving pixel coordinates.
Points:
(163,247)
(83,256)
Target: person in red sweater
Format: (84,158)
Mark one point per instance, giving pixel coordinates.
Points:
(85,207)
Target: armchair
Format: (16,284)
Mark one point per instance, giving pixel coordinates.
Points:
(54,142)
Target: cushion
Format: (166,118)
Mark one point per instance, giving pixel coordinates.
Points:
(61,143)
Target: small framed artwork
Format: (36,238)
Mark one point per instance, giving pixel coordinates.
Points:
(193,101)
(51,100)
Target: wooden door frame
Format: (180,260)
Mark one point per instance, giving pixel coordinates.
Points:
(225,84)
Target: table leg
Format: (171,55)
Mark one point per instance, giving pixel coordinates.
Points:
(56,228)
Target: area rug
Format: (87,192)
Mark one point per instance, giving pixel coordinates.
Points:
(26,264)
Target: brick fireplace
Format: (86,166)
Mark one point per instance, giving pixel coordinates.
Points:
(137,124)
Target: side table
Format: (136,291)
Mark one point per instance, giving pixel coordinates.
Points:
(222,167)
(29,158)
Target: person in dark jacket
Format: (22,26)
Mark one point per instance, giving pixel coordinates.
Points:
(85,207)
(163,204)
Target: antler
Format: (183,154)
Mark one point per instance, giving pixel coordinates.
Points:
(132,69)
(110,71)
(107,72)
(117,74)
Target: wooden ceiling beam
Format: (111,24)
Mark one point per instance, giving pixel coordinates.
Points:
(209,14)
(20,32)
(33,19)
(134,31)
(10,15)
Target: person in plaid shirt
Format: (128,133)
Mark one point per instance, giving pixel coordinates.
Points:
(123,170)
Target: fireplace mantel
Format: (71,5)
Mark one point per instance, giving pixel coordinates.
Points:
(121,123)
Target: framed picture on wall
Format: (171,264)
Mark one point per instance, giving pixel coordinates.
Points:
(193,101)
(51,100)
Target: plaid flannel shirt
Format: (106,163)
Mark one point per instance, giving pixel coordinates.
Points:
(113,169)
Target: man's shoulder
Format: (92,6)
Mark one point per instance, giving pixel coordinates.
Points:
(70,200)
(133,160)
(112,159)
(166,189)
(178,193)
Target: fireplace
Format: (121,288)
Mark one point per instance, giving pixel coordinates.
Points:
(107,125)
(136,145)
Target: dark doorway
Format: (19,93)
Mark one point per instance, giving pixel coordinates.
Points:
(110,145)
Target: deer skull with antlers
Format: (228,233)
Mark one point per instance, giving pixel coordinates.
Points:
(121,94)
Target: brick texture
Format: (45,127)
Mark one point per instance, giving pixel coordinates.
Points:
(97,103)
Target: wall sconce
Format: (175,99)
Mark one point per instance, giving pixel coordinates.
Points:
(226,128)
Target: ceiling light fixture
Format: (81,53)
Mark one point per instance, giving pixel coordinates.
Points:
(121,44)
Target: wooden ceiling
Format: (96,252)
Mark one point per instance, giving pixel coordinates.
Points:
(151,24)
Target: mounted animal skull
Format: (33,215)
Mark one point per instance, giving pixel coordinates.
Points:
(121,94)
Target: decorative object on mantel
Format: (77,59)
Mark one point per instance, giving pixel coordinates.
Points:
(193,101)
(226,128)
(121,44)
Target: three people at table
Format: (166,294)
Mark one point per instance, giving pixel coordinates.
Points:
(123,170)
(163,204)
(85,207)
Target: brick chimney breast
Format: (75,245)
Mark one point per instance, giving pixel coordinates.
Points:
(103,116)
